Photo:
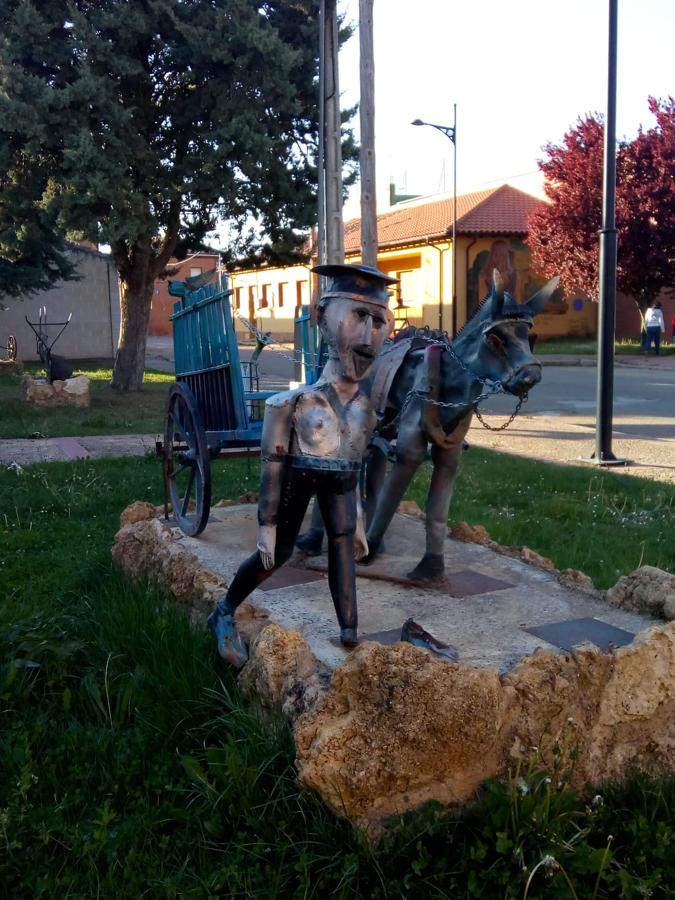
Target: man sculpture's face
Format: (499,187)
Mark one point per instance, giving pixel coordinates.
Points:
(355,332)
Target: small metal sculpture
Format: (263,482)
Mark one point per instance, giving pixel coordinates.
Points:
(56,367)
(8,350)
(313,442)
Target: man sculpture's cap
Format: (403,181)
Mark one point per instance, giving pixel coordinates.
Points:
(358,282)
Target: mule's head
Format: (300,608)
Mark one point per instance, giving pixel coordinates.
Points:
(502,345)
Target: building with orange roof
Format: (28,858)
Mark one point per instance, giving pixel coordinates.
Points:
(415,245)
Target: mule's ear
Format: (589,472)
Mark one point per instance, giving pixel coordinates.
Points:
(538,301)
(497,296)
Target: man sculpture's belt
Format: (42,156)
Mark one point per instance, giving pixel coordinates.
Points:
(320,464)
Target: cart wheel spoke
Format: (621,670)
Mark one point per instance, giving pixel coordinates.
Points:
(176,472)
(188,491)
(178,428)
(187,480)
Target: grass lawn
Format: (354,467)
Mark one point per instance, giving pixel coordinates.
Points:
(133,768)
(588,346)
(110,412)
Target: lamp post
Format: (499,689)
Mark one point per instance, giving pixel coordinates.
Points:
(451,133)
(607,270)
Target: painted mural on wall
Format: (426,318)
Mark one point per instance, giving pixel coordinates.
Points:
(511,258)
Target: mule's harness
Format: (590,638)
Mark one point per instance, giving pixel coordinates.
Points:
(494,387)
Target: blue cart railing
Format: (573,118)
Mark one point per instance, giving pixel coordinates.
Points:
(213,408)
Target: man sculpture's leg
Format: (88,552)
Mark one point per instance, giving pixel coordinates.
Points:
(337,500)
(295,497)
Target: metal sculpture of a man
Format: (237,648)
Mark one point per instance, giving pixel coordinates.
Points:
(313,441)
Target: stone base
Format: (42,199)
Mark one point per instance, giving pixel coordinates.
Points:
(388,727)
(71,392)
(11,367)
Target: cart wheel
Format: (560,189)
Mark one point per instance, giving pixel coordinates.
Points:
(187,464)
(11,348)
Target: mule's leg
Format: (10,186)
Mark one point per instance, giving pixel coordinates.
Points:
(311,541)
(376,470)
(445,465)
(411,448)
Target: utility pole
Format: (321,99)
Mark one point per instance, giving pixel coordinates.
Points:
(369,244)
(330,96)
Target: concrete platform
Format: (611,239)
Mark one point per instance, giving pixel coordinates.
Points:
(484,609)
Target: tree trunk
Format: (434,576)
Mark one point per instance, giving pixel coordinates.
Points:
(136,289)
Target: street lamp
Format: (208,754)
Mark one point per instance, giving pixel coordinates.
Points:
(451,133)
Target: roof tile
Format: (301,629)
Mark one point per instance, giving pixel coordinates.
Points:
(502,210)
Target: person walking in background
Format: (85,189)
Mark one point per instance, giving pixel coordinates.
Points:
(654,326)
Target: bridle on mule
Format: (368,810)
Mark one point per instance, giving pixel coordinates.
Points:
(495,387)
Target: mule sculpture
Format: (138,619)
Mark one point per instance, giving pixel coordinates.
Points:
(425,389)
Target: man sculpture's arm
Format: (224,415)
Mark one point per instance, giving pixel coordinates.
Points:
(276,436)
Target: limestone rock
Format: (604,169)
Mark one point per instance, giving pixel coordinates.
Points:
(636,722)
(647,589)
(138,511)
(149,549)
(251,620)
(536,559)
(400,727)
(71,392)
(558,699)
(246,497)
(11,366)
(577,580)
(282,671)
(613,712)
(410,508)
(471,534)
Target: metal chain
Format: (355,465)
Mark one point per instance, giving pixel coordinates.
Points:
(504,425)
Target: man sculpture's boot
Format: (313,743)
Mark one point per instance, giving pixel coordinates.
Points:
(230,644)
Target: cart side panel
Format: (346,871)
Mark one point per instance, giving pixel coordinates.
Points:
(207,357)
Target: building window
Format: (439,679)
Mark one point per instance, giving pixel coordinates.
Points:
(195,270)
(283,290)
(237,297)
(266,300)
(301,292)
(404,291)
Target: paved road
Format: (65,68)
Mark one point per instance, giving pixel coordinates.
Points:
(644,399)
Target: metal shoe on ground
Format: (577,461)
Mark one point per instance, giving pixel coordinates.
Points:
(415,634)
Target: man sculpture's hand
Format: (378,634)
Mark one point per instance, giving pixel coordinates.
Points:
(360,542)
(267,538)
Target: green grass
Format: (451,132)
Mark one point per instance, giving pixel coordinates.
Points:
(109,413)
(588,346)
(603,523)
(133,768)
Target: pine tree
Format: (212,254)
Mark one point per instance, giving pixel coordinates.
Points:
(152,119)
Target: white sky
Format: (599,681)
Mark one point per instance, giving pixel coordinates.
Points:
(520,73)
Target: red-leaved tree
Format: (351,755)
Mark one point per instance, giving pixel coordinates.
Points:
(563,234)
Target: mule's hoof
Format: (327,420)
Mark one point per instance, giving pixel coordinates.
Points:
(374,551)
(230,644)
(430,568)
(348,638)
(310,542)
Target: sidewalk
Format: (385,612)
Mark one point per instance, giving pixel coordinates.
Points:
(637,359)
(66,449)
(542,437)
